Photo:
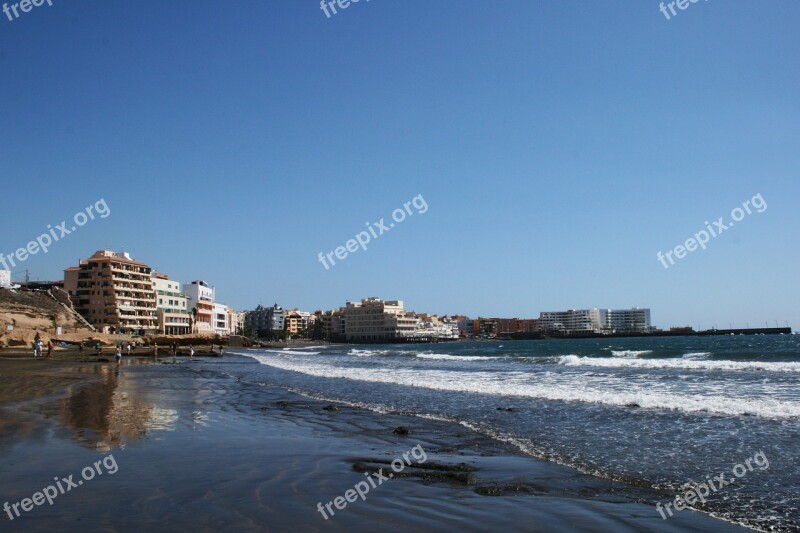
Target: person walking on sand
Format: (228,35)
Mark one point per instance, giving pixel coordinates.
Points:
(80,348)
(191,352)
(129,348)
(118,355)
(50,347)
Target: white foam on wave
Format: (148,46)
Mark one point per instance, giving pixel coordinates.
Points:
(364,353)
(629,353)
(448,357)
(685,364)
(696,355)
(304,348)
(287,351)
(555,386)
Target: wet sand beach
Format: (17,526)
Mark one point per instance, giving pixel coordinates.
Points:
(199,450)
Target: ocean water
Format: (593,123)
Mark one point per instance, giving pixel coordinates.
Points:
(659,413)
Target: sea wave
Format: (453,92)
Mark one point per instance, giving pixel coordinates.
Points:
(696,355)
(287,351)
(522,384)
(684,364)
(629,353)
(448,357)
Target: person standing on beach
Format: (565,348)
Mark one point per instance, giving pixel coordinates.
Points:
(80,348)
(118,355)
(50,347)
(191,352)
(155,352)
(129,348)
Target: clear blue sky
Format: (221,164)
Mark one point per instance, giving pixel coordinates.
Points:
(559,146)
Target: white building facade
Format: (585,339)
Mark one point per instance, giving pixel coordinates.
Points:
(221,319)
(633,320)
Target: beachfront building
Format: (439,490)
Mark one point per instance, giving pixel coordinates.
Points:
(431,326)
(464,325)
(573,321)
(221,319)
(236,321)
(174,317)
(374,319)
(633,320)
(482,327)
(265,319)
(331,325)
(201,303)
(297,322)
(114,293)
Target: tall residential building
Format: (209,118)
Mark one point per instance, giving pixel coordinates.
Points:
(633,320)
(332,325)
(596,320)
(297,321)
(374,319)
(573,321)
(114,293)
(201,302)
(174,317)
(265,319)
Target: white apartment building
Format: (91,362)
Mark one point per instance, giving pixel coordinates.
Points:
(573,321)
(5,279)
(174,317)
(201,302)
(633,320)
(432,326)
(221,319)
(596,320)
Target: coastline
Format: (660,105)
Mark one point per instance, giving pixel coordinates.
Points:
(195,447)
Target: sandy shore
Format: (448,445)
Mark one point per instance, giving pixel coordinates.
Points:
(202,451)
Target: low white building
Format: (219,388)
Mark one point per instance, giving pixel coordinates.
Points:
(431,326)
(5,279)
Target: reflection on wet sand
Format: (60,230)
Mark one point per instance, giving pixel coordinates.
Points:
(111,411)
